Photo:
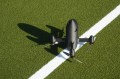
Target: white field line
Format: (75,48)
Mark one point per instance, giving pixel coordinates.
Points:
(59,59)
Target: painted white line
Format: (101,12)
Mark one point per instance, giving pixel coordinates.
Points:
(59,59)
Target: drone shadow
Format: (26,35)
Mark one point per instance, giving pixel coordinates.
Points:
(42,37)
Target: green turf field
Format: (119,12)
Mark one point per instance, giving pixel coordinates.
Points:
(24,38)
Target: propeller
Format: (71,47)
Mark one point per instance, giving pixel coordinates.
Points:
(89,48)
(91,42)
(77,60)
(53,40)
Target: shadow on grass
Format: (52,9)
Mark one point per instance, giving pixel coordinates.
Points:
(42,37)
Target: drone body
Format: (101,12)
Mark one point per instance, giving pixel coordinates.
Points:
(72,38)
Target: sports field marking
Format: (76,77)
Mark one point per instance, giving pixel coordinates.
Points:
(59,59)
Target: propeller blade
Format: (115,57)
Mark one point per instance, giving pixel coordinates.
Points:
(89,48)
(77,60)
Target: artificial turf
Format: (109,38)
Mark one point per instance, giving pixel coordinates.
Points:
(24,38)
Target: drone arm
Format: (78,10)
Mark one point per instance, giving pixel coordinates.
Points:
(56,40)
(83,39)
(91,39)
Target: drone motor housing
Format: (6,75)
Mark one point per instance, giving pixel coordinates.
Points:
(91,39)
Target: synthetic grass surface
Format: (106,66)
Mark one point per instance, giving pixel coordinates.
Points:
(21,57)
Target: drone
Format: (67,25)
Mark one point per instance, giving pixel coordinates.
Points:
(72,38)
